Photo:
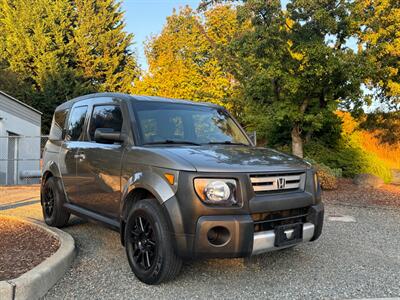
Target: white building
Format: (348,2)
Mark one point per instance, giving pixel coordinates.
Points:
(19,140)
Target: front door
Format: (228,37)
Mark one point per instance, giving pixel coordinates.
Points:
(99,164)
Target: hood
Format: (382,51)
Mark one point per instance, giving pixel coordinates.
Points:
(232,158)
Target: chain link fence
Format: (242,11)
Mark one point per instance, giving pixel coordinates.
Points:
(21,159)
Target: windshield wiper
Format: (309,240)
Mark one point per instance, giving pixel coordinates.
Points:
(226,143)
(172,142)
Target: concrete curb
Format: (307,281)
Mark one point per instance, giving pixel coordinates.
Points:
(36,282)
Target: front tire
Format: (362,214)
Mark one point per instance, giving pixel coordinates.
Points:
(53,199)
(148,244)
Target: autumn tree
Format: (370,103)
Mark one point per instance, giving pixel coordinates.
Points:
(378,24)
(182,59)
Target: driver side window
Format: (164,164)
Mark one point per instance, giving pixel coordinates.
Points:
(105,116)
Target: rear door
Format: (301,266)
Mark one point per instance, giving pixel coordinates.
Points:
(69,150)
(99,164)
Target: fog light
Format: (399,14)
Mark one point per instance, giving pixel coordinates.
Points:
(218,236)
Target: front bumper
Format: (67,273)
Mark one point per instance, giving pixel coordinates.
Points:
(239,239)
(190,219)
(265,241)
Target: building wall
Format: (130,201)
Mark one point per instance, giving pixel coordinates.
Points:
(18,119)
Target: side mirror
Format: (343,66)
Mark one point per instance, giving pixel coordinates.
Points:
(253,137)
(63,134)
(107,136)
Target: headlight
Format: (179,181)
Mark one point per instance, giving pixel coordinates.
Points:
(216,191)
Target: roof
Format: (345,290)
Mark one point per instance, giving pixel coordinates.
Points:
(133,98)
(20,102)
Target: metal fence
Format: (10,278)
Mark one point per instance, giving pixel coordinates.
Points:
(21,159)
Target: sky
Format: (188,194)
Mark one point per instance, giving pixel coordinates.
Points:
(147,17)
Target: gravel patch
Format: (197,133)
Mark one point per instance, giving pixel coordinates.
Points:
(387,195)
(351,260)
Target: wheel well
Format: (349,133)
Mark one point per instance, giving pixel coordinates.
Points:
(133,197)
(46,176)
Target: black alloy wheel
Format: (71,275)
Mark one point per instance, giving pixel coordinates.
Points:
(143,243)
(48,201)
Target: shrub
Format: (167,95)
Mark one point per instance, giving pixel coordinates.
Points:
(351,156)
(326,179)
(354,152)
(347,159)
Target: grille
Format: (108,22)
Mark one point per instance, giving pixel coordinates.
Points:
(269,220)
(264,183)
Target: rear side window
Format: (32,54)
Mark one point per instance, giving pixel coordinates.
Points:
(58,125)
(76,121)
(105,116)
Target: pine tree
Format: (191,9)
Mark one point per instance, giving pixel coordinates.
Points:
(102,45)
(38,36)
(54,50)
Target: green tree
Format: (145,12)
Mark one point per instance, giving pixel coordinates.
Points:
(37,39)
(47,48)
(102,45)
(295,64)
(37,48)
(182,59)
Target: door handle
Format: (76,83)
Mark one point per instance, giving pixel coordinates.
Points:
(81,156)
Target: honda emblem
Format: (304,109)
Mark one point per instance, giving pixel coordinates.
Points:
(281,183)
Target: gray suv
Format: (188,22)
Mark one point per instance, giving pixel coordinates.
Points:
(178,180)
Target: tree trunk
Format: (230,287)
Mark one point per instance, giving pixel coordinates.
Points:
(297,142)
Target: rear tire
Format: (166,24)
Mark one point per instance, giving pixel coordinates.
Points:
(53,198)
(149,245)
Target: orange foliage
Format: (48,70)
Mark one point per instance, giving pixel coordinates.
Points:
(349,125)
(388,153)
(369,141)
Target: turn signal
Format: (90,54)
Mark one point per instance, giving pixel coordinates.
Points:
(170,178)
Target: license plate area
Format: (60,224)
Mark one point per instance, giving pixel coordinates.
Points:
(289,234)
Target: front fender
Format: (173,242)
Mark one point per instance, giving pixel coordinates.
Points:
(51,167)
(151,179)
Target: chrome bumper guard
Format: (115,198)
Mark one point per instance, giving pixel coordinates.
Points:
(265,241)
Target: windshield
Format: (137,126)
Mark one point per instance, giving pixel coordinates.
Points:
(172,123)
